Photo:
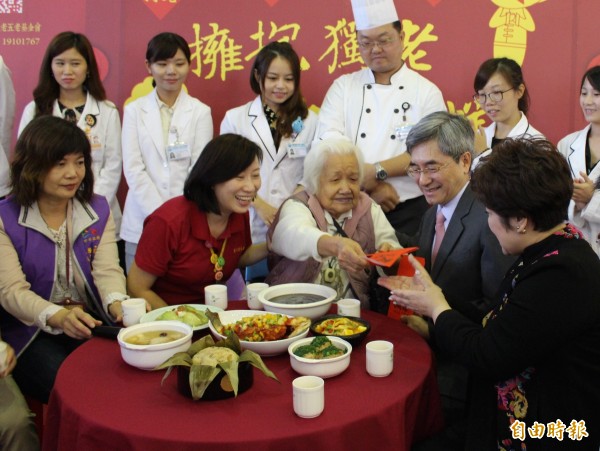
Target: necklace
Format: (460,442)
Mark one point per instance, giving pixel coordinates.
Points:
(59,235)
(218,260)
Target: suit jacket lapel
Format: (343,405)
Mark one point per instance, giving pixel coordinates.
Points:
(454,231)
(152,122)
(261,128)
(576,156)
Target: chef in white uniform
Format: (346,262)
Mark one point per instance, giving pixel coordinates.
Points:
(376,107)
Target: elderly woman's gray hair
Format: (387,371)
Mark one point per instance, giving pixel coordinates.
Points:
(453,134)
(318,155)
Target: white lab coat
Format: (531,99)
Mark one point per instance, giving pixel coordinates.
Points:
(105,140)
(153,178)
(7,115)
(572,147)
(368,113)
(279,173)
(523,129)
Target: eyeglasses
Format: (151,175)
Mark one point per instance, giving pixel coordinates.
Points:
(494,96)
(382,44)
(432,169)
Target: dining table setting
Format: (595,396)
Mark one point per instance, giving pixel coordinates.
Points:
(380,392)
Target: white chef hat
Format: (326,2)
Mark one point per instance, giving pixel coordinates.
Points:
(373,13)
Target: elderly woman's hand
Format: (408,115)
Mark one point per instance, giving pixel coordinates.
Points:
(423,296)
(9,363)
(385,247)
(74,322)
(350,255)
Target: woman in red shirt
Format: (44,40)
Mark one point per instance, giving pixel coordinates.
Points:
(200,238)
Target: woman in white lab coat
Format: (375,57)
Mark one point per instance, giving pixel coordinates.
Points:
(279,121)
(582,151)
(163,135)
(501,92)
(69,86)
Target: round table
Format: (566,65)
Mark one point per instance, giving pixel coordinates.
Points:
(99,402)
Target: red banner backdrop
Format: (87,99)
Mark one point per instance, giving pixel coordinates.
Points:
(445,40)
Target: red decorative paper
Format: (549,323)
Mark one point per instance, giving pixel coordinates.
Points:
(160,8)
(388,258)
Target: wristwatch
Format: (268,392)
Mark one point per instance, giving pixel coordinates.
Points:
(380,173)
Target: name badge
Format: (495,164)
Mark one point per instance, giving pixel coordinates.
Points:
(178,151)
(402,131)
(296,150)
(95,142)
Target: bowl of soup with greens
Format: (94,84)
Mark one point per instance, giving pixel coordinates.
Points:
(298,299)
(147,345)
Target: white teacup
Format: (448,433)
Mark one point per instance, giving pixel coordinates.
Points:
(380,358)
(133,310)
(252,292)
(309,396)
(216,295)
(349,307)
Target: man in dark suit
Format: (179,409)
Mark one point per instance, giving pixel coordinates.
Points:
(461,254)
(469,263)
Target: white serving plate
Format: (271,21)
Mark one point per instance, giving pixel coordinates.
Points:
(262,348)
(153,314)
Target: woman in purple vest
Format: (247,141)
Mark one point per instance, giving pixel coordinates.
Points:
(59,271)
(321,235)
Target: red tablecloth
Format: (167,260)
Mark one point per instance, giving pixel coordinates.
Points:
(101,403)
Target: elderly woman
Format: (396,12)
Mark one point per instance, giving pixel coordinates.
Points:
(321,235)
(536,355)
(59,270)
(202,237)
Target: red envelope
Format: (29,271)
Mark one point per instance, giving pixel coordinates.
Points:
(404,269)
(388,258)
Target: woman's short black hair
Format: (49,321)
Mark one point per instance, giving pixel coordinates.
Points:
(165,45)
(525,178)
(44,142)
(593,76)
(222,159)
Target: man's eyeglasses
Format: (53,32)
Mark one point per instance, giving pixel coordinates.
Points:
(415,172)
(382,43)
(494,96)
